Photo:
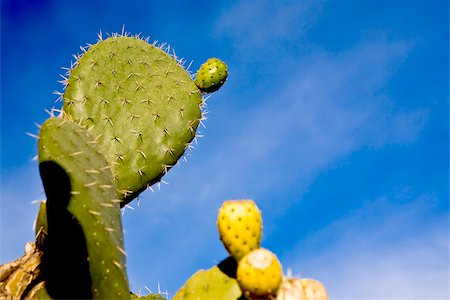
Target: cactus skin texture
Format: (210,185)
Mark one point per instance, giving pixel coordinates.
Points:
(139,103)
(218,283)
(240,226)
(301,289)
(83,256)
(41,227)
(211,75)
(259,274)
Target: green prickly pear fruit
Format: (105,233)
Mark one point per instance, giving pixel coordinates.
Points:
(259,274)
(139,103)
(240,226)
(211,75)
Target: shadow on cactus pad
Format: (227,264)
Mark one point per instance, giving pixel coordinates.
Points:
(65,252)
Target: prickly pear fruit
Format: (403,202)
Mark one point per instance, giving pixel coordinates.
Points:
(211,75)
(259,274)
(301,289)
(291,289)
(313,289)
(139,103)
(240,226)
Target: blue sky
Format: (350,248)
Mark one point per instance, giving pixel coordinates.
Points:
(334,120)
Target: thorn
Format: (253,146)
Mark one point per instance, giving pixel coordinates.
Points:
(106,205)
(106,186)
(32,135)
(95,213)
(99,35)
(149,187)
(50,112)
(121,250)
(75,153)
(117,264)
(142,153)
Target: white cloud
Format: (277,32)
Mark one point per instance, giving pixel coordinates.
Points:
(381,251)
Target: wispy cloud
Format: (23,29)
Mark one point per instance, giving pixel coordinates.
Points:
(254,24)
(383,250)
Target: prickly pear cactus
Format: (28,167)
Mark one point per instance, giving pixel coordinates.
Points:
(84,225)
(139,103)
(240,226)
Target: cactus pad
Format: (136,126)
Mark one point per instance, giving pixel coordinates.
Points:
(80,193)
(41,228)
(240,226)
(209,284)
(139,103)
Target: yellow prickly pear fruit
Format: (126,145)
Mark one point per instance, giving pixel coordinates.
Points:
(301,289)
(259,274)
(240,227)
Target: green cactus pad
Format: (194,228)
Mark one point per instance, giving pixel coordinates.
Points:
(80,192)
(148,297)
(211,75)
(41,228)
(215,283)
(139,103)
